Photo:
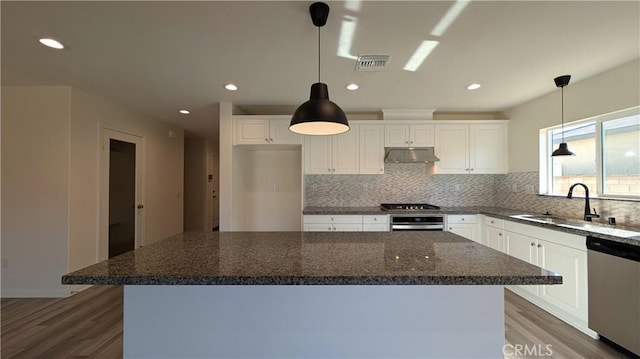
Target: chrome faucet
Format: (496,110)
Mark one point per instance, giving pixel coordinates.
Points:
(587,207)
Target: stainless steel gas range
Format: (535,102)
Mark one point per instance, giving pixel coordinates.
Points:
(414,216)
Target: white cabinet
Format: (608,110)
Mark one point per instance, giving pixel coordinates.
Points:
(462,148)
(558,252)
(346,223)
(408,135)
(493,234)
(465,225)
(262,130)
(375,223)
(371,149)
(336,154)
(330,223)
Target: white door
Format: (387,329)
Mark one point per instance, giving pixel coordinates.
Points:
(495,238)
(421,136)
(345,152)
(487,149)
(524,248)
(452,147)
(571,263)
(465,230)
(252,132)
(117,210)
(371,149)
(279,133)
(396,136)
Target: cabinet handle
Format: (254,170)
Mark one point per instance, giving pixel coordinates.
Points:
(332,219)
(539,245)
(450,228)
(472,169)
(411,141)
(462,219)
(466,169)
(271,139)
(500,234)
(407,142)
(375,219)
(381,169)
(331,229)
(533,244)
(492,222)
(266,140)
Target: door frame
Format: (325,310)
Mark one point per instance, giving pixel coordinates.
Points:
(108,132)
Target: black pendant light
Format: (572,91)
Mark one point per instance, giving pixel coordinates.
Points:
(319,116)
(563,149)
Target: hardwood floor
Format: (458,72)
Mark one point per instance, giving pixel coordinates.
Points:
(89,325)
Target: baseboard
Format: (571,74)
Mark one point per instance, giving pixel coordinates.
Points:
(567,318)
(35,293)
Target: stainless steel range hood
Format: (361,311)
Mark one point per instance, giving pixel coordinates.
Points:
(409,155)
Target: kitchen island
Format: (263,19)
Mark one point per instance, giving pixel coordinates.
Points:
(310,294)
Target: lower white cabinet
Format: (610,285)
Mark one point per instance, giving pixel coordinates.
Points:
(375,223)
(464,225)
(346,223)
(493,234)
(560,252)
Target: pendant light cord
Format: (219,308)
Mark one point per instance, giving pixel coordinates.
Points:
(562,109)
(318,53)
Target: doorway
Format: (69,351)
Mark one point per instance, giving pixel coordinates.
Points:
(121,210)
(122,197)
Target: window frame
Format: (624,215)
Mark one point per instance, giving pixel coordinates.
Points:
(546,148)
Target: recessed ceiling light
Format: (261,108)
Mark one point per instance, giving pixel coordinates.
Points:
(54,44)
(352,87)
(185,112)
(474,86)
(231,87)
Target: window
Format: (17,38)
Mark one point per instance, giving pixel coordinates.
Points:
(607,157)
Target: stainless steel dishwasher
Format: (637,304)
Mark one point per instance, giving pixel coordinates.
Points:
(614,292)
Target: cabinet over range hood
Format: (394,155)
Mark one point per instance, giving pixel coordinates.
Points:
(409,155)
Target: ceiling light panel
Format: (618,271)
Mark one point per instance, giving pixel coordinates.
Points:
(52,43)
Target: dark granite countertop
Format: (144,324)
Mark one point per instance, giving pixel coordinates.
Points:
(314,258)
(578,227)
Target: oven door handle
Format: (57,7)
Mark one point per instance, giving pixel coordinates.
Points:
(417,226)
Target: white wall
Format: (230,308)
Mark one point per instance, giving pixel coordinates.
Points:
(613,90)
(50,185)
(35,190)
(195,184)
(226,166)
(266,209)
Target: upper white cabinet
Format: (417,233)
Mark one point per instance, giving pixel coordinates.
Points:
(473,148)
(371,149)
(261,130)
(408,136)
(338,154)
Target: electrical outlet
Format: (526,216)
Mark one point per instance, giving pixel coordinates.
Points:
(5,262)
(276,188)
(514,188)
(458,187)
(315,187)
(365,187)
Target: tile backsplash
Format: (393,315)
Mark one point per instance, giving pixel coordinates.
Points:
(404,182)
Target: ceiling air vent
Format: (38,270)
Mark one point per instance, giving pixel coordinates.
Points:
(372,62)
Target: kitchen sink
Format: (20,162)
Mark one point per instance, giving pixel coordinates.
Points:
(540,218)
(576,224)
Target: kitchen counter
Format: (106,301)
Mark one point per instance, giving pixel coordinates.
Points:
(313,258)
(616,233)
(313,294)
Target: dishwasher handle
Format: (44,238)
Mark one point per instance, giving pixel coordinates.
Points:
(617,249)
